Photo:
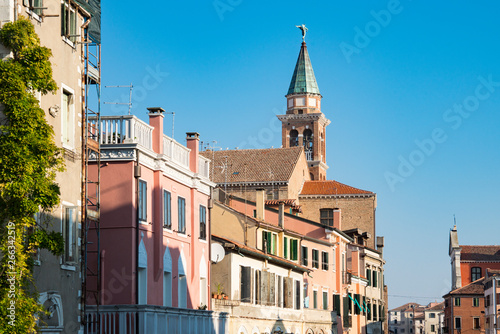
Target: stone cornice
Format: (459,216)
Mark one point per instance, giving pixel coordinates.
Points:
(338,196)
(156,162)
(320,117)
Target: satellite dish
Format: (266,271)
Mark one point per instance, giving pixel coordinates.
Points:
(217,253)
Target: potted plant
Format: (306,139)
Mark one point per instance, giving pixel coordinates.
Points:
(219,293)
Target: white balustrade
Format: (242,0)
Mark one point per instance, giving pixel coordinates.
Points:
(204,166)
(175,151)
(124,129)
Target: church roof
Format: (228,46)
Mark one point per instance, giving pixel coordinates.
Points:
(330,187)
(303,79)
(255,165)
(480,253)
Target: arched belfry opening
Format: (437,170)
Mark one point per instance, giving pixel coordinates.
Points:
(294,138)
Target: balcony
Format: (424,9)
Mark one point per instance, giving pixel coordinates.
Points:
(128,129)
(135,319)
(123,129)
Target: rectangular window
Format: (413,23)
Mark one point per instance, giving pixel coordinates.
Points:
(203,222)
(70,235)
(475,323)
(475,302)
(315,299)
(432,315)
(369,311)
(297,295)
(326,217)
(304,256)
(245,287)
(374,278)
(357,304)
(181,203)
(67,120)
(68,21)
(458,323)
(315,258)
(457,301)
(336,303)
(306,296)
(433,328)
(35,6)
(369,276)
(269,242)
(324,260)
(143,200)
(325,300)
(167,210)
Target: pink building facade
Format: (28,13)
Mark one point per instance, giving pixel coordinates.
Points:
(155,229)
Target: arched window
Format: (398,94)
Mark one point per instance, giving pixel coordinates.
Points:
(475,273)
(167,278)
(294,138)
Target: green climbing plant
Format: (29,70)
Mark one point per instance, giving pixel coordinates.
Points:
(29,161)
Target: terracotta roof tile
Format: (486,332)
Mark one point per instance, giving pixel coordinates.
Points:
(330,187)
(406,307)
(438,307)
(259,165)
(287,202)
(480,253)
(474,288)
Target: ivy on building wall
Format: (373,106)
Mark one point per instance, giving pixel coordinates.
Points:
(29,161)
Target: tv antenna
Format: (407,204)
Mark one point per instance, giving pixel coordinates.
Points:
(129,97)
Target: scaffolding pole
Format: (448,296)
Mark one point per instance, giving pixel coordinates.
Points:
(91,162)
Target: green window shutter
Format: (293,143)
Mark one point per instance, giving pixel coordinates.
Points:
(285,247)
(369,276)
(294,249)
(269,242)
(374,278)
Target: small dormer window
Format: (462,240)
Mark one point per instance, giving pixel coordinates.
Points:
(301,111)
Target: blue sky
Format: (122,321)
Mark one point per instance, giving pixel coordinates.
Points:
(412,89)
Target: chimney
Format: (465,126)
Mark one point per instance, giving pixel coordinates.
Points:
(193,143)
(337,219)
(380,244)
(260,203)
(156,121)
(281,216)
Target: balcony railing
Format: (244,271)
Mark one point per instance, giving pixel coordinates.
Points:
(124,129)
(135,319)
(176,151)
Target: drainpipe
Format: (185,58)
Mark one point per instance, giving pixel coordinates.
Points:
(137,175)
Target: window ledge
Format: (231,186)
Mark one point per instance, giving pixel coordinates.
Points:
(34,15)
(203,240)
(182,235)
(69,42)
(68,267)
(166,229)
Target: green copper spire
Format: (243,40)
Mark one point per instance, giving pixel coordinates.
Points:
(303,79)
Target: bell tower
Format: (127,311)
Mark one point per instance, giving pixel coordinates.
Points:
(304,124)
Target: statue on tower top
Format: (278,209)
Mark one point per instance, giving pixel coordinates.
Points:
(304,30)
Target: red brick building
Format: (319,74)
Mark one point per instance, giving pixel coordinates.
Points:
(464,309)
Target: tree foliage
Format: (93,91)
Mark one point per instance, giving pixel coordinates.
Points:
(29,161)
